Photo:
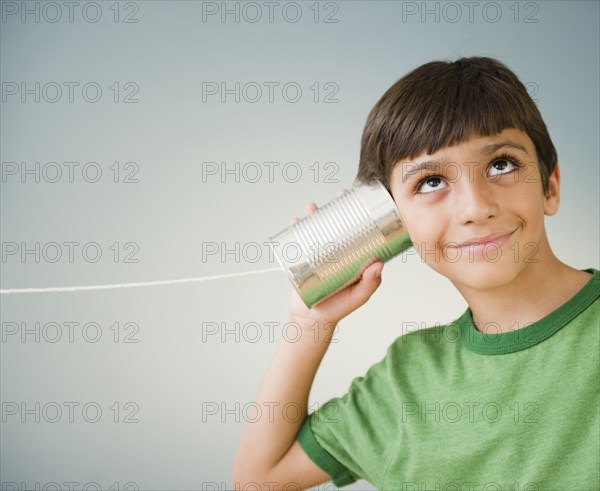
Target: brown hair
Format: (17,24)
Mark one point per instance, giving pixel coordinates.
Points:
(441,104)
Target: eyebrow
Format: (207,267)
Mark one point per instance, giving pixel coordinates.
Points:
(435,165)
(496,146)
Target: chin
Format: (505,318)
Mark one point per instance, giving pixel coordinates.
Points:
(480,275)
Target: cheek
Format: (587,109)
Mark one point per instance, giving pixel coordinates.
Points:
(422,220)
(527,206)
(425,230)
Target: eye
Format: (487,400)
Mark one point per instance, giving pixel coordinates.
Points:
(503,165)
(429,184)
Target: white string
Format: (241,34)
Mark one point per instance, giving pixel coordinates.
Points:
(61,289)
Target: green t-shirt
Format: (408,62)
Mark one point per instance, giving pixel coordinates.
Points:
(451,408)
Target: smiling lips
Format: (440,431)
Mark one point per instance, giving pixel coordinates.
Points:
(479,243)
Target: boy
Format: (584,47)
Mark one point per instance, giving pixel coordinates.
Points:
(506,396)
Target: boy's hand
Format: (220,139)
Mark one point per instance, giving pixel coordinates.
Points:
(339,305)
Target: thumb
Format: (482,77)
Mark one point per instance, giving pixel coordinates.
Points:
(369,282)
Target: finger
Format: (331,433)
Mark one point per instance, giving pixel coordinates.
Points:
(309,208)
(342,191)
(362,290)
(367,265)
(360,275)
(374,271)
(294,220)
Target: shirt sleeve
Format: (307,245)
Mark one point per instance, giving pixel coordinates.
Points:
(339,473)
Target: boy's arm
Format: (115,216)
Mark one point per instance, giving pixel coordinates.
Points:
(268,453)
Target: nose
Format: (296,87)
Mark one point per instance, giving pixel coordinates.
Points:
(475,202)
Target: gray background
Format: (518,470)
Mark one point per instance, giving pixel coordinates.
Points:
(171,212)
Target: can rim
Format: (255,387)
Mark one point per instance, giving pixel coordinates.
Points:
(286,270)
(390,198)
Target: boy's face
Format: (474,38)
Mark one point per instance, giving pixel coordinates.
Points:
(475,211)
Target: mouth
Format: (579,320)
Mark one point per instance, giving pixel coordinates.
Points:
(480,243)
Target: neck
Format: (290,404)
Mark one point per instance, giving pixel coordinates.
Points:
(538,290)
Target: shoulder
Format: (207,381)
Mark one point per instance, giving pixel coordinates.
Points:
(431,339)
(414,354)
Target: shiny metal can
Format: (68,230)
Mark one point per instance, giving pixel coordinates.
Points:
(324,251)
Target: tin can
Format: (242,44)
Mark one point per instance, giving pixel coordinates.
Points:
(324,251)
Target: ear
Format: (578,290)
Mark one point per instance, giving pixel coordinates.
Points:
(552,198)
